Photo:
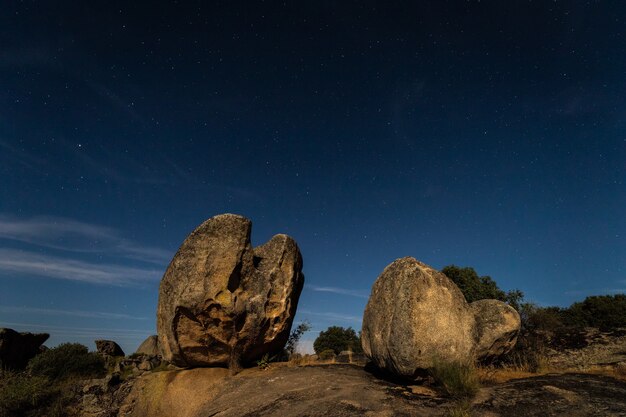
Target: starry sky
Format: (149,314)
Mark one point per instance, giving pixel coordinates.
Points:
(478,133)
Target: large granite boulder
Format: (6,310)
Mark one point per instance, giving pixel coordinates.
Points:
(149,347)
(16,349)
(416,316)
(223,302)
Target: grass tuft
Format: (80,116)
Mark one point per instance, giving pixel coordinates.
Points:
(460,380)
(20,393)
(460,409)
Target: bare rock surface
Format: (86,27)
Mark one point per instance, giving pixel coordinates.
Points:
(572,395)
(497,327)
(16,349)
(108,348)
(281,391)
(416,315)
(149,347)
(224,303)
(351,391)
(588,348)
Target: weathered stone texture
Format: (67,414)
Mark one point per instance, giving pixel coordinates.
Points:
(222,302)
(416,315)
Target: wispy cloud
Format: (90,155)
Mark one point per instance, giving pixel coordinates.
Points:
(65,332)
(16,154)
(20,262)
(71,235)
(342,291)
(73,313)
(332,316)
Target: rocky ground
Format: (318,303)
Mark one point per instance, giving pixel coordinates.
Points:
(592,349)
(572,395)
(349,390)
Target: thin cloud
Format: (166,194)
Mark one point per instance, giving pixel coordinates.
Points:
(342,291)
(333,316)
(33,264)
(71,235)
(73,313)
(87,332)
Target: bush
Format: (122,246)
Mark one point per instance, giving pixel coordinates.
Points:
(337,339)
(459,380)
(476,288)
(326,354)
(66,360)
(21,394)
(606,312)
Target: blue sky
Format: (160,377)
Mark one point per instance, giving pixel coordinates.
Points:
(471,133)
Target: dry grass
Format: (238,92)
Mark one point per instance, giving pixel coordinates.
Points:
(492,375)
(618,373)
(460,409)
(301,360)
(459,379)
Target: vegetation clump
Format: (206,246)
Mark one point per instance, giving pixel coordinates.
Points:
(458,379)
(21,394)
(326,354)
(476,287)
(337,339)
(65,360)
(42,389)
(294,338)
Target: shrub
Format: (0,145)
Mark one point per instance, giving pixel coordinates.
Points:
(264,362)
(606,312)
(66,360)
(21,394)
(294,338)
(338,339)
(476,288)
(326,354)
(459,379)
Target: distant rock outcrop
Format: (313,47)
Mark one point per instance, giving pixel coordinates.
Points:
(149,347)
(108,348)
(224,303)
(416,315)
(16,349)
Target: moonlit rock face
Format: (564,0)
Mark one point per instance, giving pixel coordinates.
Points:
(497,327)
(416,315)
(224,303)
(149,347)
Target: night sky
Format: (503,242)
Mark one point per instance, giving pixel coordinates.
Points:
(488,134)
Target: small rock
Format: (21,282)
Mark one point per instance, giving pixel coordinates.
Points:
(149,347)
(145,365)
(109,348)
